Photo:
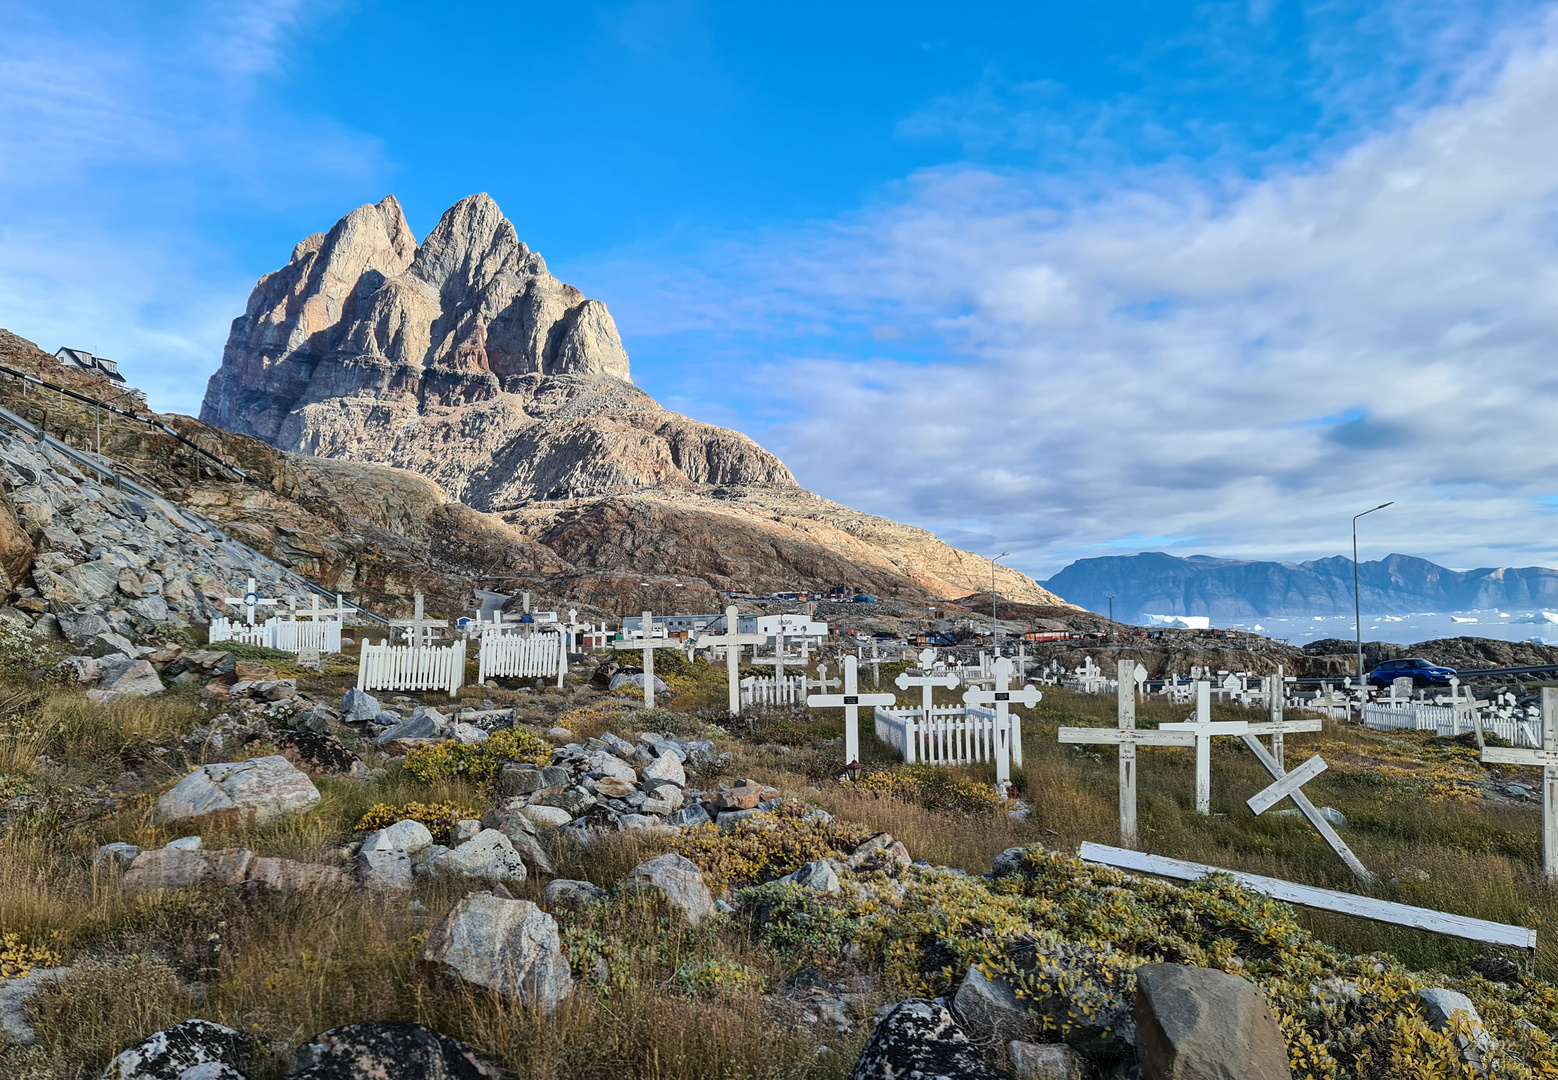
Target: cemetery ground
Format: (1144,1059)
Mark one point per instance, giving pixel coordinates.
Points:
(791,971)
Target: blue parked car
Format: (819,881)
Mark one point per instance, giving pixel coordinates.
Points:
(862,598)
(1421,672)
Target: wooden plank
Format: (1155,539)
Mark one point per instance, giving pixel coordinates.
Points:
(1282,788)
(1365,907)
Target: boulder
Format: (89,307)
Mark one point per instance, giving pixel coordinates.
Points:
(509,946)
(666,769)
(86,670)
(566,893)
(991,1006)
(169,1054)
(125,677)
(384,868)
(691,816)
(547,817)
(636,680)
(316,753)
(605,763)
(290,875)
(612,787)
(918,1039)
(81,627)
(489,857)
(468,733)
(741,797)
(175,868)
(259,791)
(1195,1023)
(818,875)
(405,835)
(416,729)
(358,707)
(517,829)
(1047,1061)
(15,1025)
(679,881)
(16,550)
(516,778)
(385,1050)
(1448,1009)
(119,855)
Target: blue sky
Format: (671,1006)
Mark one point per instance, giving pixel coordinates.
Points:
(1047,278)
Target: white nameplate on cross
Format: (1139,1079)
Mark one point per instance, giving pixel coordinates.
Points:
(733,640)
(1205,729)
(1547,760)
(850,700)
(1127,736)
(1007,731)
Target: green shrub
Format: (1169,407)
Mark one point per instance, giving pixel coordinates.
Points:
(477,762)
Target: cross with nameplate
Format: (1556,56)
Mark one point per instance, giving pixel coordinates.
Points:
(927,682)
(733,640)
(1278,726)
(1127,736)
(850,700)
(1006,725)
(1547,760)
(250,600)
(1205,730)
(649,644)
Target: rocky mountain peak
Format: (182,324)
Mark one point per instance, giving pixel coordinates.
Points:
(462,358)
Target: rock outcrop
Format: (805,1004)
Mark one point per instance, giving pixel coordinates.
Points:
(463,359)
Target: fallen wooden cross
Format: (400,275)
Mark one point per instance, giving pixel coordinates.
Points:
(1287,786)
(1366,907)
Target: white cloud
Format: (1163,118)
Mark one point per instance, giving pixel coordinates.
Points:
(1164,353)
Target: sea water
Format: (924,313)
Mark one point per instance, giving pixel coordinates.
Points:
(1504,624)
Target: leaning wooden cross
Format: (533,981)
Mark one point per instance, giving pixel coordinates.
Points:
(1205,730)
(1006,730)
(1547,760)
(1287,785)
(1127,737)
(250,600)
(733,640)
(1277,726)
(850,700)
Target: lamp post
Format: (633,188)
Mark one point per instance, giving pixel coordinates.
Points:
(1357,600)
(995,631)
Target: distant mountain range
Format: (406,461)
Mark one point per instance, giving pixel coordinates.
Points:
(1232,589)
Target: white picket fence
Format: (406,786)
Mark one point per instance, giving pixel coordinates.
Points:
(322,635)
(1443,720)
(515,656)
(409,667)
(771,690)
(954,734)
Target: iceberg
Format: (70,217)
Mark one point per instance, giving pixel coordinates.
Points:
(1178,622)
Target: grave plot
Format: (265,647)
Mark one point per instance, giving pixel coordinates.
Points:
(507,655)
(316,628)
(1456,714)
(417,665)
(1088,679)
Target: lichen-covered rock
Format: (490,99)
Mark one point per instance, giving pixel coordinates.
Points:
(170,1053)
(1195,1023)
(510,946)
(489,856)
(259,791)
(818,874)
(383,1050)
(567,893)
(125,677)
(919,1040)
(679,881)
(177,868)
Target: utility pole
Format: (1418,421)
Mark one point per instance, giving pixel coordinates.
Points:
(1357,599)
(995,632)
(1111,607)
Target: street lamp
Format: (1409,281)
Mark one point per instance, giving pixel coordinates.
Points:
(1110,598)
(995,631)
(1357,600)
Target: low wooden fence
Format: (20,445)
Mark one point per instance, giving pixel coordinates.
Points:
(1450,722)
(522,656)
(412,667)
(771,690)
(321,635)
(953,734)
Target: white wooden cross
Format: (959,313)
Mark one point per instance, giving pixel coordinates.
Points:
(1007,732)
(821,682)
(1547,760)
(1287,785)
(850,700)
(1206,730)
(1277,726)
(1139,676)
(250,600)
(875,662)
(1127,736)
(419,628)
(927,682)
(733,640)
(649,645)
(571,630)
